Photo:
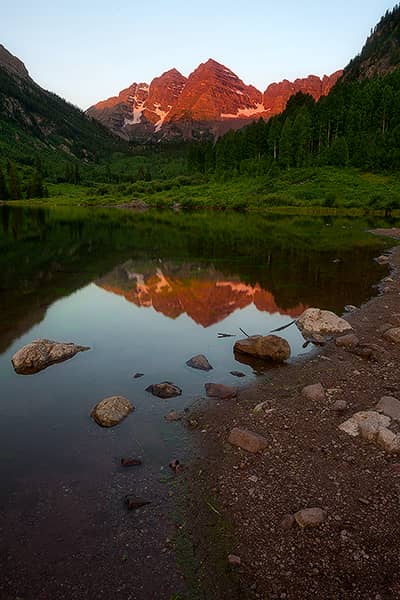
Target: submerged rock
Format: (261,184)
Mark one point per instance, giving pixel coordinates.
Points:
(218,390)
(165,389)
(323,322)
(173,416)
(111,411)
(269,347)
(40,354)
(199,362)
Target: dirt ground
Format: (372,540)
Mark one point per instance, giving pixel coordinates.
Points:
(309,462)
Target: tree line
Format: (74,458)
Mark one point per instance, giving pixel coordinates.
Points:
(15,187)
(357,124)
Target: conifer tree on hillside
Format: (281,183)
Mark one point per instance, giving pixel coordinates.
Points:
(14,185)
(3,187)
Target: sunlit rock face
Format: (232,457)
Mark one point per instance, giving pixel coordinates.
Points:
(207,299)
(212,100)
(276,95)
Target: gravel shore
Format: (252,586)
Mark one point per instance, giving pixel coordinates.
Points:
(354,552)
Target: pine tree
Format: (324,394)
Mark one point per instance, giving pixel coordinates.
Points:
(14,185)
(4,195)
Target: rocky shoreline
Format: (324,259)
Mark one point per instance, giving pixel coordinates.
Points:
(347,547)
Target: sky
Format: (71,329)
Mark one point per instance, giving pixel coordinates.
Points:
(88,50)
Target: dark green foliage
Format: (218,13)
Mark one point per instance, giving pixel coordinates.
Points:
(4,195)
(357,125)
(381,52)
(14,185)
(52,121)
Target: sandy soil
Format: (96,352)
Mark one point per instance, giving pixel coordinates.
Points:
(309,462)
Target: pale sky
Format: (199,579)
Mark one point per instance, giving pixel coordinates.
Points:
(87,50)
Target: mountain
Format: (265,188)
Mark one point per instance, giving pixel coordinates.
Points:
(381,52)
(277,95)
(33,120)
(209,102)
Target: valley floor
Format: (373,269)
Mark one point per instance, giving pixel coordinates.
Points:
(329,189)
(241,500)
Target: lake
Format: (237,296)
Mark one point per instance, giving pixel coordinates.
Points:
(146,292)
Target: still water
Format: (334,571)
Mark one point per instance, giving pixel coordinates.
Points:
(146,292)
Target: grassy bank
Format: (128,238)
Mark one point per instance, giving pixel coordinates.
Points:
(324,189)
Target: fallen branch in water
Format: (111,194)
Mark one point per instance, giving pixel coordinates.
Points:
(242,330)
(283,327)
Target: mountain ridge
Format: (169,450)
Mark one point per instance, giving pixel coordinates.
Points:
(210,101)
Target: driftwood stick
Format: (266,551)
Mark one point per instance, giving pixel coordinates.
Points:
(284,327)
(242,330)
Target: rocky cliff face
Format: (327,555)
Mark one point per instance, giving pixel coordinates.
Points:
(12,64)
(213,92)
(381,52)
(277,95)
(208,103)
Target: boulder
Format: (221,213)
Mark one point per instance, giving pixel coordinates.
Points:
(323,322)
(347,341)
(199,362)
(248,440)
(218,390)
(315,392)
(393,335)
(389,441)
(372,418)
(165,389)
(310,517)
(40,354)
(111,411)
(389,406)
(270,347)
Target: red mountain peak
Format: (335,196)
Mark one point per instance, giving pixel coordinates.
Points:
(213,91)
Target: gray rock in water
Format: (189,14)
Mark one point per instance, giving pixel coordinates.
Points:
(111,411)
(165,389)
(269,347)
(172,416)
(40,354)
(199,362)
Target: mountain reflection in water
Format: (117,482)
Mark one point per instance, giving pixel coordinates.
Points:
(204,294)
